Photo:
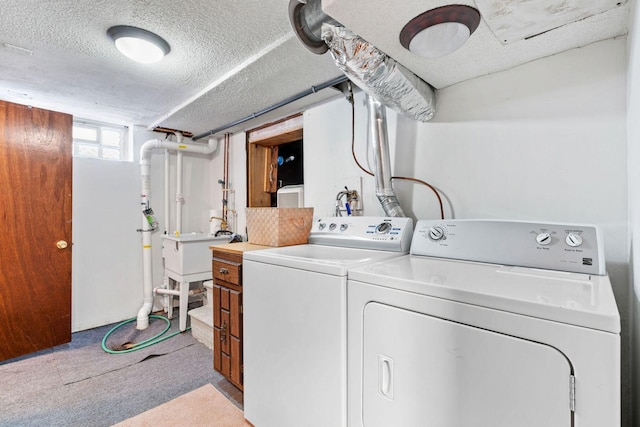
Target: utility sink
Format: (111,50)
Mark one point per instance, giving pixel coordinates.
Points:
(189,253)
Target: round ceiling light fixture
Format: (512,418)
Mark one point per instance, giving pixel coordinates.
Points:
(138,44)
(440,31)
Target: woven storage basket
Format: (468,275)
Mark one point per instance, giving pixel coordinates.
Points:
(279,226)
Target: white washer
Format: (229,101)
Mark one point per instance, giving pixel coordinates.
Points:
(295,320)
(450,343)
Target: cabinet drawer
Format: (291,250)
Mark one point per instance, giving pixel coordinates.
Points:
(227,271)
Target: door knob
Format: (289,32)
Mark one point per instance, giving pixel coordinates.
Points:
(61,244)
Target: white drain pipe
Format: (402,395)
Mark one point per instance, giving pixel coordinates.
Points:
(167,190)
(179,195)
(145,173)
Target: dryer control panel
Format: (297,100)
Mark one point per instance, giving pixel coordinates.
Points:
(563,247)
(362,232)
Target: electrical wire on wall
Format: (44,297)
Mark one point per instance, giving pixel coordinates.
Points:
(355,158)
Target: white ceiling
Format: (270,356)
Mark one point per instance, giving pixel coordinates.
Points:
(230,59)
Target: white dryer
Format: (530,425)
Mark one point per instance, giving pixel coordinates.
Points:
(295,319)
(527,336)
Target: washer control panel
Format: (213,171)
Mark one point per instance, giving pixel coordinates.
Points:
(380,233)
(563,247)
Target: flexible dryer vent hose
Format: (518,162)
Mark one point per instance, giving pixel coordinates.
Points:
(379,75)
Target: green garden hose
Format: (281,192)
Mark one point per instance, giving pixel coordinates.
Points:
(142,344)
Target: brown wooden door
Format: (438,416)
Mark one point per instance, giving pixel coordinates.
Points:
(35,213)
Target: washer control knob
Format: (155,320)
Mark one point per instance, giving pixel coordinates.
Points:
(322,226)
(332,226)
(543,238)
(344,227)
(383,228)
(436,233)
(573,240)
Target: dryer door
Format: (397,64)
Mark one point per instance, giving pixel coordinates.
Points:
(420,370)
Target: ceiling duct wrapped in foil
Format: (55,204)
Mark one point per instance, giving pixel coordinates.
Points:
(378,74)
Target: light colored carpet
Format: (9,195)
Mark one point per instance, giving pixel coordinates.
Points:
(204,406)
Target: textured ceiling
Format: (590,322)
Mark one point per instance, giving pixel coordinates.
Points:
(230,59)
(483,53)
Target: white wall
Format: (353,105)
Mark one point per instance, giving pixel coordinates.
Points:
(328,163)
(107,249)
(633,124)
(106,255)
(545,141)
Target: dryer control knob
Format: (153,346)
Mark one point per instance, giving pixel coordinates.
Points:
(573,240)
(322,226)
(543,238)
(332,226)
(383,228)
(436,233)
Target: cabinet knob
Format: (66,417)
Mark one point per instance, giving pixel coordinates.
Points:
(61,244)
(224,270)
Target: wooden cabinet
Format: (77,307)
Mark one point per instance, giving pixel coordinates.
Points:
(227,309)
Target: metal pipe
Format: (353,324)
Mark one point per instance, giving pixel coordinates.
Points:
(378,136)
(306,19)
(225,177)
(294,98)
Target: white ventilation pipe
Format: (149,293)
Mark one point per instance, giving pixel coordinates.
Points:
(145,174)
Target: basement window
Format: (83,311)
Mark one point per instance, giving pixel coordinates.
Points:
(100,140)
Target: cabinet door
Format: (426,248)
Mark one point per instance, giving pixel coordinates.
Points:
(235,313)
(224,333)
(217,320)
(35,208)
(236,361)
(420,370)
(224,299)
(217,350)
(225,366)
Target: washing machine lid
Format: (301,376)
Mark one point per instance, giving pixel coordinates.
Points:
(332,260)
(573,298)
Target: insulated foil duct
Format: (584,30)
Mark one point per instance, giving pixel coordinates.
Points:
(379,75)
